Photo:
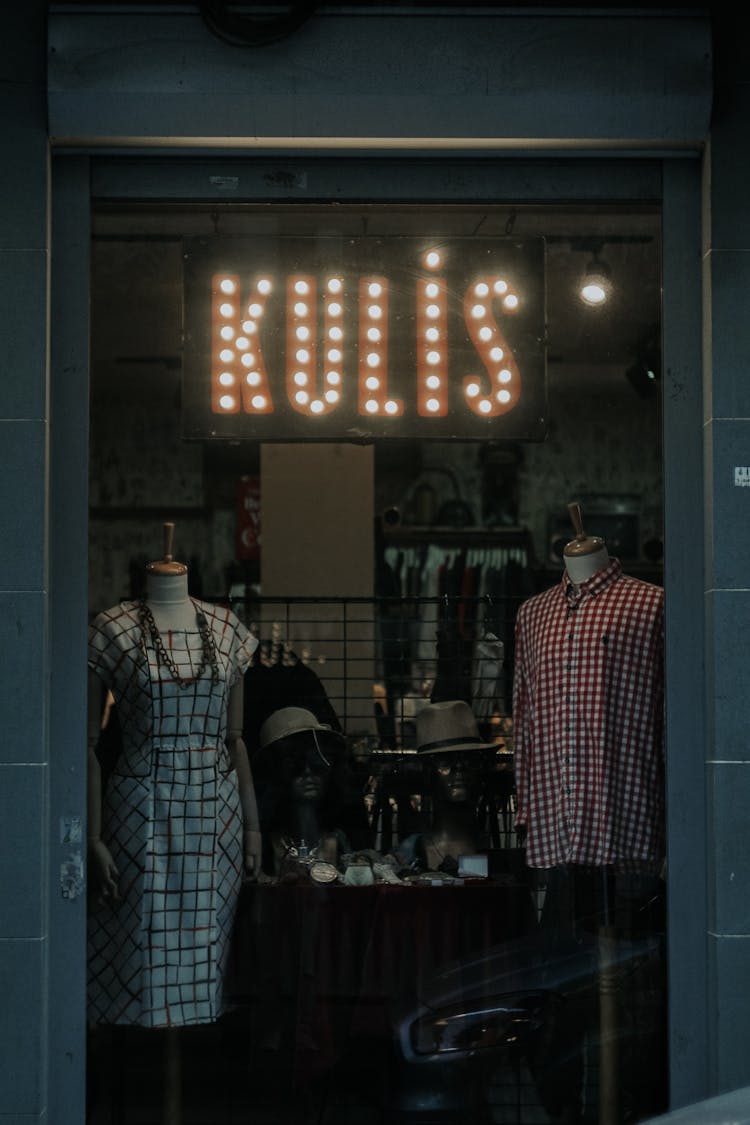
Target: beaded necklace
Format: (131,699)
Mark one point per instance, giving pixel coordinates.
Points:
(208,654)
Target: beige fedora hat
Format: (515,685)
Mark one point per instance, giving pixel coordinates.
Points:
(448,726)
(288,721)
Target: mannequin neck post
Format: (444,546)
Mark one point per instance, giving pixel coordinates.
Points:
(170,604)
(166,589)
(582,567)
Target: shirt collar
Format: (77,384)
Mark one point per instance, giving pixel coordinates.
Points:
(594,585)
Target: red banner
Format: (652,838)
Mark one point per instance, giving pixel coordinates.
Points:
(247,538)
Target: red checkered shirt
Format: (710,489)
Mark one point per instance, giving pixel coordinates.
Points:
(588,725)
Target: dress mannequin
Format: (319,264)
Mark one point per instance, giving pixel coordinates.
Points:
(449,746)
(177,825)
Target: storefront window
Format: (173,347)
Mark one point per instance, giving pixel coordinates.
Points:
(456,908)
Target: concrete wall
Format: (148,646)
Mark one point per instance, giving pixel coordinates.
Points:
(24,267)
(727,549)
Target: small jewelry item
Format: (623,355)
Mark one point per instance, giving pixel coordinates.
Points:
(322,872)
(208,653)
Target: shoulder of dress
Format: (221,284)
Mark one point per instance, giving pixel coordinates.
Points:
(119,618)
(213,609)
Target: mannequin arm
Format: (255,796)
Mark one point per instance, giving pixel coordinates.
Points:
(240,762)
(100,859)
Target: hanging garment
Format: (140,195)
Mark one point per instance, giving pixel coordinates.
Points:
(487,683)
(171,817)
(588,703)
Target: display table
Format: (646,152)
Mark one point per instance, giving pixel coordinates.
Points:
(314,966)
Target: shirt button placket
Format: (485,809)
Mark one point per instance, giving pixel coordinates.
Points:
(569,755)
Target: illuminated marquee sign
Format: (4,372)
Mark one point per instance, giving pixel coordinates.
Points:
(351,339)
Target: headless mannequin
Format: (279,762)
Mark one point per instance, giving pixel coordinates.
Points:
(172,610)
(584,557)
(167,598)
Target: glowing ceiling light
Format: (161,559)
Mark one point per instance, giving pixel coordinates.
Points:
(596,284)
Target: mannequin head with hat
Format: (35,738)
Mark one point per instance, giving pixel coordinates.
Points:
(295,768)
(452,752)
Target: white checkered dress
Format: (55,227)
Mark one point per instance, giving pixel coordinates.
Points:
(172,819)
